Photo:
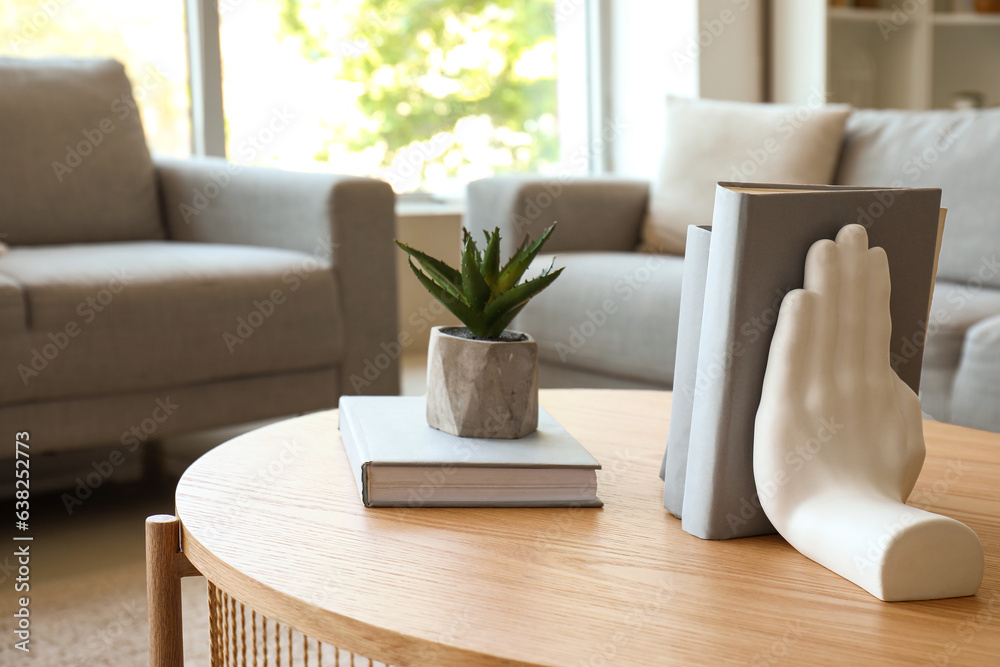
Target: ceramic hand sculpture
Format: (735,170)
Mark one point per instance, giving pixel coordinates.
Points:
(838,441)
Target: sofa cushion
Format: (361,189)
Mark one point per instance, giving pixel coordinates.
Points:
(708,141)
(954,309)
(617,315)
(105,419)
(952,150)
(976,400)
(116,317)
(75,165)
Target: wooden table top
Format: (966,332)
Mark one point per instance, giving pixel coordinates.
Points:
(274,518)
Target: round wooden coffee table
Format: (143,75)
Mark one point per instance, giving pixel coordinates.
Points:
(273,519)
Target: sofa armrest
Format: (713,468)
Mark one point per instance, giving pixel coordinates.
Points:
(593,213)
(347,221)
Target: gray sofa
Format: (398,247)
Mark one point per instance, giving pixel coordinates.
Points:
(142,298)
(611,320)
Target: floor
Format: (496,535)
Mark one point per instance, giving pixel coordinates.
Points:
(87,581)
(87,567)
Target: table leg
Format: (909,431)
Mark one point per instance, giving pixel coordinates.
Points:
(165,565)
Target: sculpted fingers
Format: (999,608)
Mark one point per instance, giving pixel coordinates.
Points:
(878,331)
(787,369)
(822,276)
(852,241)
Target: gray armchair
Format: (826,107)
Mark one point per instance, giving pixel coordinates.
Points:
(141,299)
(611,319)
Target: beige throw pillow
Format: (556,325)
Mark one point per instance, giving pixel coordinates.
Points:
(708,141)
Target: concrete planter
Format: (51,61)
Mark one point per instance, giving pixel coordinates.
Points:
(482,388)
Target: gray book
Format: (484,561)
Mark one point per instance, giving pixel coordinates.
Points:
(759,240)
(673,469)
(400,461)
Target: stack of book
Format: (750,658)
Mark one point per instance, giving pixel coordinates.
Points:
(400,461)
(735,276)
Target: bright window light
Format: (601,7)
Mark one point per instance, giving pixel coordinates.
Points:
(147,37)
(426,96)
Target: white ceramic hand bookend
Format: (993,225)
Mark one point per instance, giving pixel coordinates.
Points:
(838,441)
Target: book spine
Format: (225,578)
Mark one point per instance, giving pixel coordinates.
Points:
(673,469)
(719,484)
(353,438)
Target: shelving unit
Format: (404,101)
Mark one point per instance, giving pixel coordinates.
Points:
(883,58)
(859,15)
(966,19)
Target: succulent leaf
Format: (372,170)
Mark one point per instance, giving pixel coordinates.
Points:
(477,292)
(504,321)
(491,261)
(519,263)
(444,275)
(517,295)
(469,317)
(483,296)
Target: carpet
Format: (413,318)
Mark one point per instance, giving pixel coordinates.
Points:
(99,619)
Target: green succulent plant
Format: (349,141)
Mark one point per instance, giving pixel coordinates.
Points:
(484,295)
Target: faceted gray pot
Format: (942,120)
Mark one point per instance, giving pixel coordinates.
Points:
(482,388)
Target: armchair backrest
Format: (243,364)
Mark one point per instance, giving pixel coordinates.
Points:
(74,166)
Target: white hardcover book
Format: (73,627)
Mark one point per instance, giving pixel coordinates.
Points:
(400,461)
(673,469)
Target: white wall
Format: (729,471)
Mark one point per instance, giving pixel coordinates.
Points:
(648,62)
(731,59)
(799,45)
(707,48)
(571,88)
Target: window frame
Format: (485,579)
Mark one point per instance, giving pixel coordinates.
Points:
(204,48)
(208,129)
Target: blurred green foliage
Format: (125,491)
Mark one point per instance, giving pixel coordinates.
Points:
(425,65)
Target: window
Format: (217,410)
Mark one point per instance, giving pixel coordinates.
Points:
(422,94)
(147,37)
